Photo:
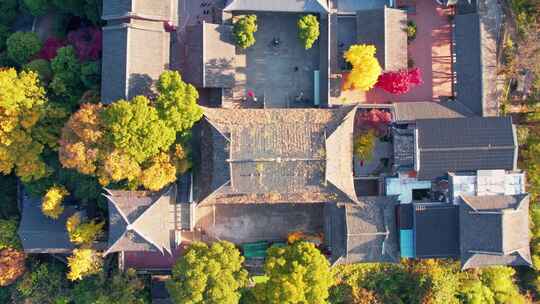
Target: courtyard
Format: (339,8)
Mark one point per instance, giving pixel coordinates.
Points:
(278,70)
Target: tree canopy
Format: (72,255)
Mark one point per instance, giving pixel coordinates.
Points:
(308,30)
(208,275)
(21,46)
(52,201)
(365,67)
(82,263)
(82,232)
(244,30)
(364,144)
(298,273)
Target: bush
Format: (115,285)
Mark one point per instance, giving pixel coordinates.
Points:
(411,30)
(87,43)
(42,67)
(36,7)
(91,74)
(8,12)
(50,48)
(243,30)
(21,46)
(308,30)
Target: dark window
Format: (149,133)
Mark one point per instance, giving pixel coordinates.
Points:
(420,194)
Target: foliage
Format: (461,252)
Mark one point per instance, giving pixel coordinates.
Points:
(374,119)
(21,46)
(66,70)
(91,74)
(411,30)
(8,198)
(89,9)
(22,104)
(297,273)
(42,67)
(87,43)
(161,172)
(308,30)
(52,201)
(208,275)
(364,144)
(11,265)
(177,102)
(36,7)
(8,12)
(4,34)
(82,233)
(8,234)
(42,284)
(399,82)
(119,288)
(50,48)
(522,135)
(82,263)
(243,31)
(136,128)
(365,67)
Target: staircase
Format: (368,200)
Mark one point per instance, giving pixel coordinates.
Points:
(184,216)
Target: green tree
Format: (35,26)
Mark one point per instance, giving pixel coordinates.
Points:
(83,233)
(119,288)
(308,30)
(4,34)
(66,70)
(298,273)
(8,11)
(21,46)
(91,74)
(8,234)
(44,283)
(364,144)
(135,128)
(244,30)
(208,275)
(474,292)
(22,104)
(37,7)
(83,263)
(177,102)
(500,280)
(42,67)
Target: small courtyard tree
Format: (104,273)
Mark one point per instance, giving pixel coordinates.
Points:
(308,30)
(364,144)
(82,233)
(208,274)
(52,201)
(83,262)
(297,273)
(365,67)
(400,82)
(21,46)
(243,30)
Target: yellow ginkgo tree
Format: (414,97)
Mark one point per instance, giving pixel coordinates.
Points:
(52,201)
(83,262)
(365,67)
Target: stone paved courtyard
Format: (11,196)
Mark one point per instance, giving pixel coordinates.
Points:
(280,74)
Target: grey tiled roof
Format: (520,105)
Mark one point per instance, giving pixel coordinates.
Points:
(134,56)
(476,64)
(494,230)
(297,6)
(363,231)
(165,10)
(411,111)
(384,28)
(211,55)
(306,153)
(436,232)
(140,221)
(465,144)
(41,234)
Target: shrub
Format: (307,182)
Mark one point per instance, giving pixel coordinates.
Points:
(91,74)
(411,30)
(42,67)
(4,34)
(364,145)
(87,43)
(243,30)
(36,7)
(308,30)
(8,12)
(50,48)
(8,234)
(21,46)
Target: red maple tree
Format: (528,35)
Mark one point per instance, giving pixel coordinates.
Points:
(87,43)
(50,48)
(375,119)
(399,82)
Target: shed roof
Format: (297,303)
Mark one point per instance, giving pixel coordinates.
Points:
(134,56)
(211,56)
(464,144)
(405,112)
(164,10)
(494,230)
(364,231)
(41,234)
(276,155)
(476,64)
(296,6)
(385,28)
(140,220)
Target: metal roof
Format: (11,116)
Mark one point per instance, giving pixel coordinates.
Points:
(296,6)
(464,144)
